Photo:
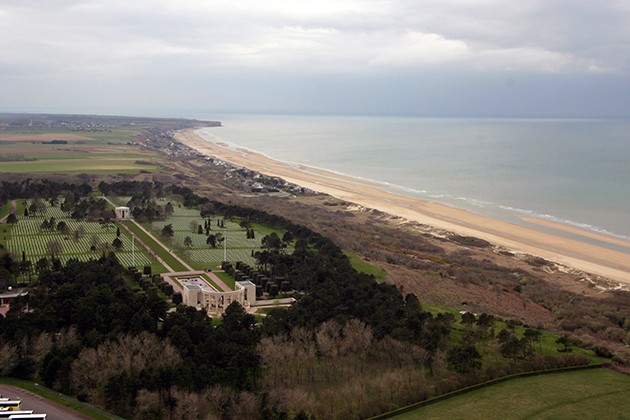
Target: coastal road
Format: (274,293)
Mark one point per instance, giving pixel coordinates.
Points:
(40,405)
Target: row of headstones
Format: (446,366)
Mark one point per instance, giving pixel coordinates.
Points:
(243,272)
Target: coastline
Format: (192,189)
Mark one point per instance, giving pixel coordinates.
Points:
(576,254)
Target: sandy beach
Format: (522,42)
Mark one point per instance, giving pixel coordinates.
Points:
(573,253)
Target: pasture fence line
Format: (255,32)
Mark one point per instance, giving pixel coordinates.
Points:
(475,387)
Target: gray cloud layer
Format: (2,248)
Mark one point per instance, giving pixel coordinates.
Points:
(454,57)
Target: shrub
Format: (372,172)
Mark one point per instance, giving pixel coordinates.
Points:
(602,351)
(168,289)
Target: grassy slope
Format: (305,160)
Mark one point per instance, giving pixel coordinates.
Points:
(364,267)
(6,209)
(547,345)
(591,394)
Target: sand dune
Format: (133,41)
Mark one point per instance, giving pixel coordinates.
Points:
(574,253)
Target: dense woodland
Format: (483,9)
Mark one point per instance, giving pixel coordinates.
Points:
(351,347)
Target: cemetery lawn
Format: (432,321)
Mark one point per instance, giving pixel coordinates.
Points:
(227,279)
(199,254)
(161,252)
(6,209)
(27,236)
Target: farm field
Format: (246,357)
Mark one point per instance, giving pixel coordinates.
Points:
(84,152)
(590,394)
(27,236)
(97,166)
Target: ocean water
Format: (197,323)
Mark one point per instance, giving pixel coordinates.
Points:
(571,171)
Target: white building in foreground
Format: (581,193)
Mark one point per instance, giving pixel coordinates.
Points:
(199,293)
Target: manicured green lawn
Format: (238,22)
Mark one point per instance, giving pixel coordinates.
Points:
(5,233)
(263,229)
(590,394)
(161,252)
(6,209)
(227,279)
(364,267)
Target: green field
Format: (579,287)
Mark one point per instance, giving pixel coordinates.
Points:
(93,156)
(227,279)
(364,267)
(6,209)
(547,343)
(103,152)
(97,166)
(590,394)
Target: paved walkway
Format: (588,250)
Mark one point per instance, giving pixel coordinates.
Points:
(148,248)
(13,209)
(170,251)
(172,273)
(110,201)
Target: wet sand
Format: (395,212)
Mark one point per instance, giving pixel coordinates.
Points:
(590,258)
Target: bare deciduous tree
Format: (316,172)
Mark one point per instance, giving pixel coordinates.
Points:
(9,356)
(91,370)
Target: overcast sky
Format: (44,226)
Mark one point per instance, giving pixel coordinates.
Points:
(428,57)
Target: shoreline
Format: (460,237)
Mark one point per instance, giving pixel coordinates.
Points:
(583,256)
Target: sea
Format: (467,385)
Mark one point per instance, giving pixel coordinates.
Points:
(574,171)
